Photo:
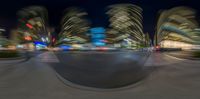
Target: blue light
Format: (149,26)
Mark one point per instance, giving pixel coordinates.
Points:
(98,36)
(99,43)
(40,43)
(97,30)
(65,47)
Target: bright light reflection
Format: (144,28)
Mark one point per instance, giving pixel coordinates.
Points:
(176,44)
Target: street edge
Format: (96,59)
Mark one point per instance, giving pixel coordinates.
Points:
(80,87)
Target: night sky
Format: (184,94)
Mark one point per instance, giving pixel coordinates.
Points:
(95,8)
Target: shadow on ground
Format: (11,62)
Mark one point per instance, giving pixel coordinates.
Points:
(101,69)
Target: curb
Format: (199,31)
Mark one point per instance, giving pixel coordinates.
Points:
(81,87)
(13,60)
(16,58)
(131,85)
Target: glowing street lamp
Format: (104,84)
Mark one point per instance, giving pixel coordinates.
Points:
(28,38)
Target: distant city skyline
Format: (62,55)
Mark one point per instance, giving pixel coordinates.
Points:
(95,8)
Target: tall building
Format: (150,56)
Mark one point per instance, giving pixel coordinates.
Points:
(178,28)
(74,27)
(126,25)
(33,24)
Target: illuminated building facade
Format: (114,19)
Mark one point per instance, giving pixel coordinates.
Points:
(33,25)
(126,25)
(178,28)
(74,27)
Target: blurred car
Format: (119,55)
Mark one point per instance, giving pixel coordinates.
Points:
(106,49)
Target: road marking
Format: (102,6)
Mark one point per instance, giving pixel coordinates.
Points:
(175,57)
(161,60)
(48,57)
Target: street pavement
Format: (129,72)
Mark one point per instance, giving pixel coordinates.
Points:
(101,69)
(169,78)
(188,54)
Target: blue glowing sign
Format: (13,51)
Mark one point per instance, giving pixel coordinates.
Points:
(97,30)
(98,36)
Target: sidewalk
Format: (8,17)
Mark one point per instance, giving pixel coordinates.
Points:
(183,55)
